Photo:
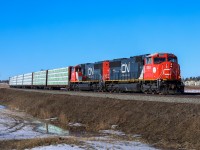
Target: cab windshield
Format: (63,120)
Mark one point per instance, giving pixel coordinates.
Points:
(172,59)
(159,60)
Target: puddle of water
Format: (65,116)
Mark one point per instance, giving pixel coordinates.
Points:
(2,107)
(137,136)
(40,126)
(51,129)
(76,125)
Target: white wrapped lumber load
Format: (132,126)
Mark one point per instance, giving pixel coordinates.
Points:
(13,81)
(58,77)
(27,81)
(39,78)
(20,80)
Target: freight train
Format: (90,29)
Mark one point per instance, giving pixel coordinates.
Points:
(148,73)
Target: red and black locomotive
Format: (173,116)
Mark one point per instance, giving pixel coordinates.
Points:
(155,73)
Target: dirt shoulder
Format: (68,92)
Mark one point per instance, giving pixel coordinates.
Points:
(31,143)
(4,85)
(166,125)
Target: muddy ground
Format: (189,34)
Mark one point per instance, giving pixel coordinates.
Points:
(165,125)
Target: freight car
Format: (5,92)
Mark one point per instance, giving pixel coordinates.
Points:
(149,73)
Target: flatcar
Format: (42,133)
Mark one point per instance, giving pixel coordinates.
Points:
(149,73)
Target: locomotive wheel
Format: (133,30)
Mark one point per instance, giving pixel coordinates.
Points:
(164,90)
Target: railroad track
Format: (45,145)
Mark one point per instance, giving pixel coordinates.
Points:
(184,98)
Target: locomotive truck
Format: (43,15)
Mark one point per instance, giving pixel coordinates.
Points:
(148,73)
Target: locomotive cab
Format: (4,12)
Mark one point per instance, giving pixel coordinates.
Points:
(161,66)
(162,74)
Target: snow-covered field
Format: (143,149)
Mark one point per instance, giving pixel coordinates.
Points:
(192,90)
(119,145)
(58,147)
(13,127)
(18,125)
(99,145)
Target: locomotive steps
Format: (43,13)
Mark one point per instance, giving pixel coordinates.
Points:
(166,125)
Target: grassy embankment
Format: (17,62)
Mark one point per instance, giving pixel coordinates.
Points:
(166,125)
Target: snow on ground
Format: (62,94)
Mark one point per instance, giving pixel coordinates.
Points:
(12,128)
(192,91)
(100,145)
(2,107)
(119,145)
(76,124)
(25,132)
(58,147)
(113,132)
(14,125)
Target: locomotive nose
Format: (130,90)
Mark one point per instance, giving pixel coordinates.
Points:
(174,71)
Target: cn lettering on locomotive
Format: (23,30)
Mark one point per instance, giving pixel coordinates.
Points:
(90,71)
(125,68)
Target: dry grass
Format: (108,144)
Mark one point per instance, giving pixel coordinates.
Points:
(4,85)
(63,118)
(102,126)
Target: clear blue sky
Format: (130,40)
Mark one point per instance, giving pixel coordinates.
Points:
(46,34)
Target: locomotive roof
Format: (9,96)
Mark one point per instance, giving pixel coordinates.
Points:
(159,54)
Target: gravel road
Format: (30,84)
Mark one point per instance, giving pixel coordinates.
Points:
(194,99)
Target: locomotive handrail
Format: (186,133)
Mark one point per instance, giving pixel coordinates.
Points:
(160,74)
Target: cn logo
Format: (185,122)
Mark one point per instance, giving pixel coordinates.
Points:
(90,71)
(125,68)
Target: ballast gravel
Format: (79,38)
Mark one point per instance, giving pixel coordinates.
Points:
(194,99)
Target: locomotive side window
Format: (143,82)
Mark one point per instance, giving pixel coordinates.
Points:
(159,60)
(148,60)
(172,59)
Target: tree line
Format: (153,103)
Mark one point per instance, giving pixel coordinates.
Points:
(4,81)
(192,79)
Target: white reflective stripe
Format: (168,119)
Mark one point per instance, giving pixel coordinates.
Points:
(167,74)
(142,74)
(77,76)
